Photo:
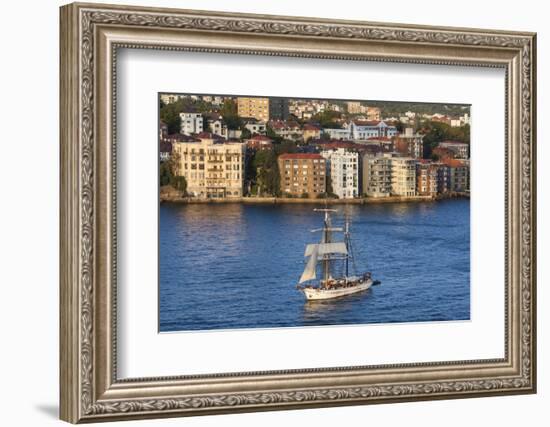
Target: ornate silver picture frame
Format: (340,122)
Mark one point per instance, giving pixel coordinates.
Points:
(91,390)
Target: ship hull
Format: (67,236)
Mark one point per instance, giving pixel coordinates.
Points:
(314,294)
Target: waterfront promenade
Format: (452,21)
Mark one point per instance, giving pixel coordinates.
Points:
(174,197)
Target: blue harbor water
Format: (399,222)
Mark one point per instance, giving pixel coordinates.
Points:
(229,266)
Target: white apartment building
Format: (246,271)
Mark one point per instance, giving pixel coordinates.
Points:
(212,169)
(362,130)
(376,179)
(191,123)
(343,167)
(403,176)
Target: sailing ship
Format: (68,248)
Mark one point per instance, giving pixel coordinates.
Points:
(328,254)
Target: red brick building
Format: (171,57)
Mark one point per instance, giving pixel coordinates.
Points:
(302,173)
(426,178)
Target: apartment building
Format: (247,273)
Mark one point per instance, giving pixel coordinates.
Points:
(403,176)
(443,178)
(212,167)
(426,178)
(409,144)
(302,173)
(343,167)
(279,108)
(376,175)
(354,107)
(257,108)
(191,122)
(459,175)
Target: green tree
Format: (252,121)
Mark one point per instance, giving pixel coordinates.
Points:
(165,174)
(285,147)
(436,132)
(230,114)
(265,172)
(270,133)
(329,190)
(180,184)
(327,119)
(245,134)
(169,174)
(170,115)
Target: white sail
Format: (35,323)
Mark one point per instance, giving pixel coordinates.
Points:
(309,271)
(326,248)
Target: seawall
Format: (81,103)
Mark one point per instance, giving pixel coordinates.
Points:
(173,198)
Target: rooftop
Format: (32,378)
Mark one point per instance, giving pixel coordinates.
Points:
(367,122)
(190,110)
(208,135)
(281,124)
(300,156)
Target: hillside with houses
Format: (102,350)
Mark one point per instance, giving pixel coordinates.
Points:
(230,147)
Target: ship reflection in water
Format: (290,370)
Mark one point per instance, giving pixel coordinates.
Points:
(230,266)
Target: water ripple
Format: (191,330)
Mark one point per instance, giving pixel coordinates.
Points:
(236,266)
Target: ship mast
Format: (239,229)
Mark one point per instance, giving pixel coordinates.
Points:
(347,240)
(327,228)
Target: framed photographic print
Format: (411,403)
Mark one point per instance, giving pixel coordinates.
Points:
(267,212)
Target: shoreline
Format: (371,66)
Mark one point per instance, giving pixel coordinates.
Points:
(170,198)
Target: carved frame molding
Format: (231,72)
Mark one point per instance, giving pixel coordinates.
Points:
(90,37)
